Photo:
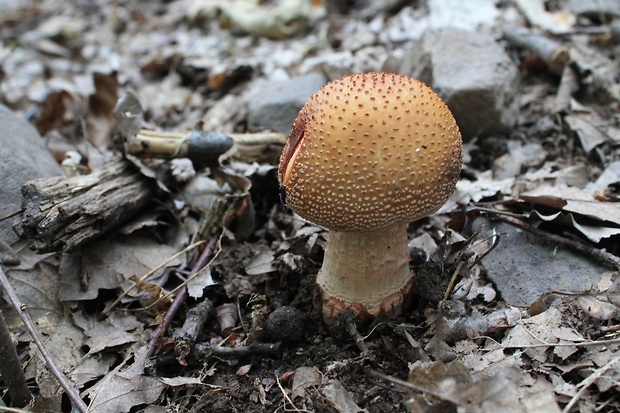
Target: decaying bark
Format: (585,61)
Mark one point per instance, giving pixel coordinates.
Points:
(62,214)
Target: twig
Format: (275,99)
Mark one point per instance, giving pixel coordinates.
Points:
(352,330)
(495,237)
(588,381)
(65,383)
(192,274)
(451,285)
(202,350)
(11,369)
(179,299)
(64,214)
(186,336)
(253,349)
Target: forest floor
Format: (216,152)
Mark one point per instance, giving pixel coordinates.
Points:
(515,301)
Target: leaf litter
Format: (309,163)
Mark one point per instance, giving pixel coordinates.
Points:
(467,345)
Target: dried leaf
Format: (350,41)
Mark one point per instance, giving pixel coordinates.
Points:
(120,391)
(340,399)
(303,377)
(593,233)
(110,262)
(542,329)
(65,345)
(592,129)
(118,329)
(473,191)
(262,262)
(35,282)
(100,117)
(580,201)
(243,370)
(197,284)
(451,387)
(610,175)
(91,368)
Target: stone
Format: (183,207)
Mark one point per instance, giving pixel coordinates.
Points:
(274,104)
(524,266)
(23,156)
(473,74)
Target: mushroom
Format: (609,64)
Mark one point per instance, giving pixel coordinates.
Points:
(368,154)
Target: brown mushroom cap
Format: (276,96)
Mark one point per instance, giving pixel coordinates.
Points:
(369,151)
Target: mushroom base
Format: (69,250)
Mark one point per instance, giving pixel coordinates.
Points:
(366,272)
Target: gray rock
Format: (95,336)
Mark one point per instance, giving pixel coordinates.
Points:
(524,266)
(595,8)
(474,76)
(23,156)
(274,105)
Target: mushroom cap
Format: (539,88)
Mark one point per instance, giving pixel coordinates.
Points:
(369,151)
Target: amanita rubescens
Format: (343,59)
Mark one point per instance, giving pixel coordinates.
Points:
(368,154)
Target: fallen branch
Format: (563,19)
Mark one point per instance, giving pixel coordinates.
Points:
(63,214)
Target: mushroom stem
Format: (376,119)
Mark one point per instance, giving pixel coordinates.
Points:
(365,271)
